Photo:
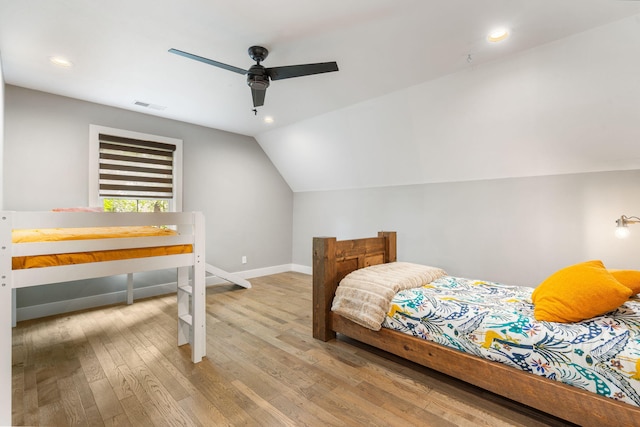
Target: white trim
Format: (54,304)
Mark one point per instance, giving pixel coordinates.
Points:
(302,269)
(175,204)
(266,271)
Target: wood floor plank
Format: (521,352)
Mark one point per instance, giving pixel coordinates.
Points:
(109,366)
(91,367)
(52,414)
(305,412)
(216,390)
(17,397)
(161,398)
(71,402)
(30,398)
(203,412)
(135,411)
(87,400)
(120,365)
(120,420)
(106,399)
(281,419)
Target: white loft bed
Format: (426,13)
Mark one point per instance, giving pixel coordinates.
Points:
(191,293)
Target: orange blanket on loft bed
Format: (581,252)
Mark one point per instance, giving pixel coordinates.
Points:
(61,234)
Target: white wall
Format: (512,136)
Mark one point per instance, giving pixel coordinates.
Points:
(566,107)
(506,171)
(1,134)
(516,230)
(247,204)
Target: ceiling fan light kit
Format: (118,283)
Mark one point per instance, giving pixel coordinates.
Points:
(259,77)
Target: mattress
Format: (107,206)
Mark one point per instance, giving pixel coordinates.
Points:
(62,234)
(496,322)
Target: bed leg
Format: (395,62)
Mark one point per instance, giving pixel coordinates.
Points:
(14,306)
(324,286)
(6,313)
(192,298)
(199,344)
(129,288)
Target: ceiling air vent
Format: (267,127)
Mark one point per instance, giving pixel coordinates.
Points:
(147,105)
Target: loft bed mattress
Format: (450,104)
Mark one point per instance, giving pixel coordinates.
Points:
(496,322)
(64,234)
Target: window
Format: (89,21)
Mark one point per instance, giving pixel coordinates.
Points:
(134,172)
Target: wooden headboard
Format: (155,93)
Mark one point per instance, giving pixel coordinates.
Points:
(332,260)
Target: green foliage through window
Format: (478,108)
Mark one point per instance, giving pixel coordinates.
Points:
(133,205)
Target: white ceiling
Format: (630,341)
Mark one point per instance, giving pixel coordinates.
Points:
(119,49)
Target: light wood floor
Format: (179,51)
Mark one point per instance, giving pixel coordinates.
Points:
(119,365)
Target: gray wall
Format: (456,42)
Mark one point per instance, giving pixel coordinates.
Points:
(516,231)
(247,204)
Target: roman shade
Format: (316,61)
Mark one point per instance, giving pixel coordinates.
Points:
(136,169)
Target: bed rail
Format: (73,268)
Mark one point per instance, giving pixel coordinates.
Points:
(191,293)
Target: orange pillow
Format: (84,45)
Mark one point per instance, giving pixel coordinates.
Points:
(629,278)
(578,292)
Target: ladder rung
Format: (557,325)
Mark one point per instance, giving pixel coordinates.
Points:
(186,318)
(186,289)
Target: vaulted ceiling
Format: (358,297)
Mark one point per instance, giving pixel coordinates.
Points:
(403,63)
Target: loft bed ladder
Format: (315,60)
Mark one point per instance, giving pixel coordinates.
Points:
(192,297)
(191,312)
(192,305)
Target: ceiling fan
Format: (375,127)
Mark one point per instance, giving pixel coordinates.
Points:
(258,76)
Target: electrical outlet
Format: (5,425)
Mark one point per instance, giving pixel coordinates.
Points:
(244,259)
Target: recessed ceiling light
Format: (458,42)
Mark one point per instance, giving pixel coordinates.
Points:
(498,35)
(60,61)
(268,119)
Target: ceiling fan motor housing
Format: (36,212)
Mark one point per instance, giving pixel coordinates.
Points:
(258,53)
(257,78)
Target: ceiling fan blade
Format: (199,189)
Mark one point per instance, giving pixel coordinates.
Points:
(287,72)
(258,96)
(208,61)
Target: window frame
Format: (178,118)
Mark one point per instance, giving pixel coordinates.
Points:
(175,203)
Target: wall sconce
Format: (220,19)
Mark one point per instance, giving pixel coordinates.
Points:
(622,231)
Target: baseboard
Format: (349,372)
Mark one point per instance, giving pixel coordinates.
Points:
(60,307)
(266,271)
(302,269)
(67,306)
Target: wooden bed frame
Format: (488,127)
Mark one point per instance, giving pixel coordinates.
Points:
(333,259)
(191,291)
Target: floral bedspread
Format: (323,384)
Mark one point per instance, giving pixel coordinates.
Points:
(496,322)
